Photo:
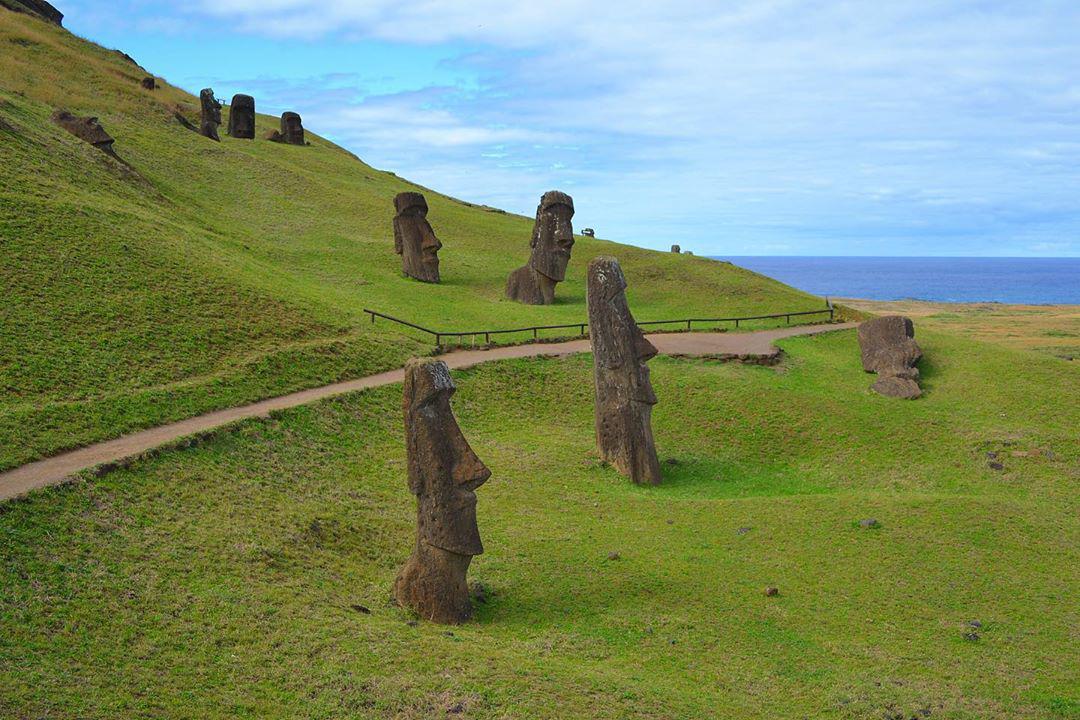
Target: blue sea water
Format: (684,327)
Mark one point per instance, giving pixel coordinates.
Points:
(1033,281)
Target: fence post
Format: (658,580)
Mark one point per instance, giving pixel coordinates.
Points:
(535,335)
(736,323)
(438,338)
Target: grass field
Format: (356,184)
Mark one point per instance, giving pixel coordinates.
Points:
(210,274)
(222,581)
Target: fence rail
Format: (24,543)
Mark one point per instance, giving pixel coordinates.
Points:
(439,335)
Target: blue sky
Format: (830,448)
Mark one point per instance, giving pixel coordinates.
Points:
(757,127)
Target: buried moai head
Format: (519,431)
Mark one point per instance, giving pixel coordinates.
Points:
(292,129)
(888,348)
(211,115)
(87,129)
(552,241)
(242,117)
(624,393)
(414,239)
(443,473)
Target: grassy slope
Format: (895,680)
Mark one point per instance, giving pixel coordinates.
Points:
(218,581)
(220,273)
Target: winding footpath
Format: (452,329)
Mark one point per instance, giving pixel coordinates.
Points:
(757,346)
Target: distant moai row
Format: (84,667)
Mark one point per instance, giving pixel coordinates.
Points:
(444,472)
(242,120)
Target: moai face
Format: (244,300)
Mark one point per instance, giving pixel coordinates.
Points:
(242,117)
(553,235)
(624,392)
(292,128)
(444,471)
(414,239)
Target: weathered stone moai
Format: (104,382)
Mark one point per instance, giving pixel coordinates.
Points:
(552,240)
(443,472)
(676,249)
(414,239)
(211,115)
(87,129)
(149,83)
(624,394)
(888,348)
(242,117)
(292,129)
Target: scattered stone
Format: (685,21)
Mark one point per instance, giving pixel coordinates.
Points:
(996,466)
(670,521)
(772,591)
(676,249)
(614,556)
(552,241)
(361,609)
(182,119)
(211,115)
(588,232)
(688,252)
(991,455)
(479,592)
(974,624)
(412,623)
(971,636)
(149,83)
(869,523)
(888,348)
(672,461)
(443,473)
(623,392)
(743,530)
(414,239)
(242,117)
(40,8)
(87,129)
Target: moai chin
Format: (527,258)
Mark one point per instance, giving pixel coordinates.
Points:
(211,115)
(292,129)
(552,240)
(414,239)
(242,117)
(443,472)
(624,394)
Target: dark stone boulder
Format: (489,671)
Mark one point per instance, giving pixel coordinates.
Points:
(149,83)
(888,348)
(242,117)
(87,129)
(38,8)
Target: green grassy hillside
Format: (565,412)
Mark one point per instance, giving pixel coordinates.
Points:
(225,580)
(207,274)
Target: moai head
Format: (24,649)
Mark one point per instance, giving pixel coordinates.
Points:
(553,235)
(242,117)
(888,348)
(211,114)
(676,249)
(624,393)
(414,240)
(87,129)
(292,129)
(444,471)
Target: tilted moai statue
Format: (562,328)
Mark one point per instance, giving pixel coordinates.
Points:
(552,240)
(443,474)
(624,394)
(242,117)
(211,115)
(414,240)
(87,129)
(888,348)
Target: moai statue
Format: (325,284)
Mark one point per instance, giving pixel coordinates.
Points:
(552,240)
(414,240)
(676,249)
(242,117)
(149,83)
(87,129)
(292,129)
(624,395)
(888,348)
(443,474)
(211,115)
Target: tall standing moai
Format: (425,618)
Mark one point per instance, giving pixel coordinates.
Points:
(242,117)
(443,472)
(414,239)
(211,115)
(624,394)
(552,240)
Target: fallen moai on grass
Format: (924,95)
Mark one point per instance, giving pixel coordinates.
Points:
(211,115)
(888,348)
(624,393)
(414,238)
(552,241)
(443,473)
(242,117)
(87,129)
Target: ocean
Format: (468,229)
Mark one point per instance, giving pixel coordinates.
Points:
(1034,281)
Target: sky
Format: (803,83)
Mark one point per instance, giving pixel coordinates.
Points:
(732,127)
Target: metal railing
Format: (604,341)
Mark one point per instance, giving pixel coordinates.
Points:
(535,329)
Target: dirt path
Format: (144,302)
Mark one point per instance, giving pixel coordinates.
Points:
(56,469)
